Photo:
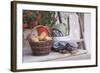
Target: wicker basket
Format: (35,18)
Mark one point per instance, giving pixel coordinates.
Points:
(41,47)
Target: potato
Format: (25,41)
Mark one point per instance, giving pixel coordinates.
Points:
(35,39)
(48,38)
(41,38)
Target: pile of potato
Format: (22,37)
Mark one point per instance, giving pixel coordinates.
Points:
(42,37)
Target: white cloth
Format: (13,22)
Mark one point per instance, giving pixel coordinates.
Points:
(66,40)
(74,26)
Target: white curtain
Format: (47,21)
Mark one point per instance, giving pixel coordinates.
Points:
(74,26)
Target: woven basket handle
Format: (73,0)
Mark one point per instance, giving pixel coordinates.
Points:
(48,28)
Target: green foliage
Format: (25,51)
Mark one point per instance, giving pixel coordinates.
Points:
(48,17)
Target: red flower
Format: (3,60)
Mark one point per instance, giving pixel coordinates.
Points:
(25,26)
